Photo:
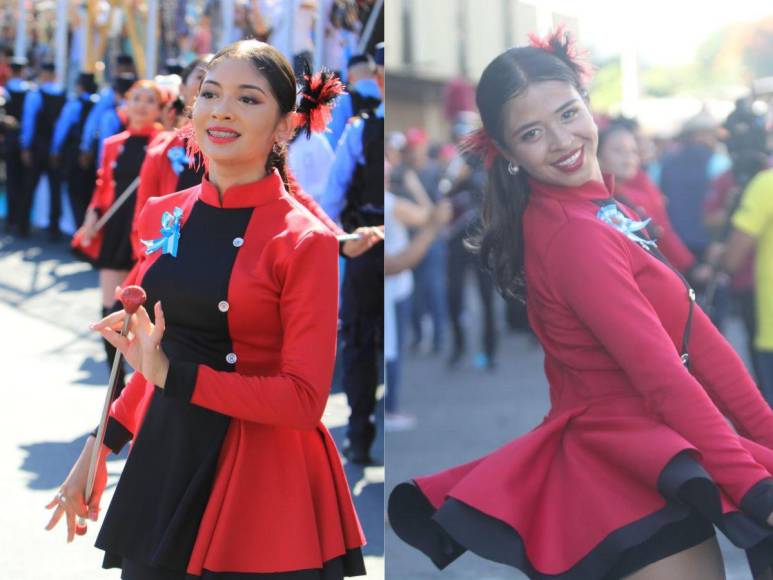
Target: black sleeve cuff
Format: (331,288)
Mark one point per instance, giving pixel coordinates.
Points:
(181,380)
(758,501)
(341,250)
(116,435)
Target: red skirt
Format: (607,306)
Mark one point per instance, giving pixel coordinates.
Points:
(586,495)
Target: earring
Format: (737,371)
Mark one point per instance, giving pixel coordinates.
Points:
(512,169)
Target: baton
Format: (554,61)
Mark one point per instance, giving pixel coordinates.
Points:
(115,206)
(132,297)
(348,237)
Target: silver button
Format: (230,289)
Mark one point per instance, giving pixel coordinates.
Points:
(113,164)
(691,294)
(223,306)
(238,242)
(230,358)
(120,149)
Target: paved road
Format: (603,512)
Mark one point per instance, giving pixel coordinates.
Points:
(465,414)
(52,387)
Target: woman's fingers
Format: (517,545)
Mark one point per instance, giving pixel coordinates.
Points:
(114,321)
(116,339)
(70,525)
(57,515)
(158,329)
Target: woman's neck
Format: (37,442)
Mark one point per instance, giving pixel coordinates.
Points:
(223,177)
(139,127)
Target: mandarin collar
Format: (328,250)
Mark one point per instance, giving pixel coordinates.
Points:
(145,131)
(590,190)
(253,194)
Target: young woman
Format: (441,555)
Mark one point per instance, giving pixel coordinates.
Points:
(111,249)
(635,461)
(231,474)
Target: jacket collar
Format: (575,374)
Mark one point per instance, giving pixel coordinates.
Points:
(589,191)
(254,194)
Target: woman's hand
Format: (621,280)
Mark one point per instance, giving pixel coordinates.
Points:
(369,237)
(70,499)
(87,231)
(142,346)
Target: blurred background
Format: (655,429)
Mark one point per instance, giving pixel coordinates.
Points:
(681,93)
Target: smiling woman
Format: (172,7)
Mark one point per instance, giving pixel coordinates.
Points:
(232,475)
(634,465)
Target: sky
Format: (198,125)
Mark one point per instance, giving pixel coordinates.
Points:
(664,31)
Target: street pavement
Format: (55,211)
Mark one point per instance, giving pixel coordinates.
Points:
(466,413)
(54,377)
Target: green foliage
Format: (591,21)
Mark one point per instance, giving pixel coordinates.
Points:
(606,87)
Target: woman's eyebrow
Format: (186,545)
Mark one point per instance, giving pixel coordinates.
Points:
(257,88)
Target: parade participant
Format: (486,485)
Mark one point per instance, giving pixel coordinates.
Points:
(355,196)
(15,92)
(65,142)
(111,249)
(231,473)
(41,110)
(618,155)
(363,95)
(634,462)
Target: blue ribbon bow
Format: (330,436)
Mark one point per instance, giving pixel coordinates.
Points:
(178,158)
(170,234)
(611,214)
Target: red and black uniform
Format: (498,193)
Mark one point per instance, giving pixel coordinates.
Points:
(162,174)
(231,473)
(634,461)
(122,159)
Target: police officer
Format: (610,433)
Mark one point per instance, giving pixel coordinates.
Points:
(355,196)
(363,96)
(14,93)
(66,141)
(41,110)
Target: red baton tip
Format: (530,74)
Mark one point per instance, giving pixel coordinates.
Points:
(132,297)
(80,530)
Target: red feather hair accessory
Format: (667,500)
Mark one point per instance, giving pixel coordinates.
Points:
(192,150)
(561,44)
(318,94)
(479,143)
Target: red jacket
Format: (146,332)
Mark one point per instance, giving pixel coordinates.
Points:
(610,317)
(280,500)
(104,189)
(158,178)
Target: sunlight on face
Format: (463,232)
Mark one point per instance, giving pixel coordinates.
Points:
(142,107)
(549,133)
(236,116)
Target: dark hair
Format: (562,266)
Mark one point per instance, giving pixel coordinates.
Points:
(190,68)
(616,126)
(500,241)
(270,63)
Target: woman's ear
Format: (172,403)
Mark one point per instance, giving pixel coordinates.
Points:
(284,128)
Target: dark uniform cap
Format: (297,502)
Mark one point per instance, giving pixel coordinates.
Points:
(18,62)
(124,58)
(87,82)
(360,59)
(48,66)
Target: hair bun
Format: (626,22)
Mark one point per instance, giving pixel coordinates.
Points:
(318,92)
(560,43)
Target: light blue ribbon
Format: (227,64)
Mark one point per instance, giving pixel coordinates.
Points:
(611,214)
(170,234)
(178,158)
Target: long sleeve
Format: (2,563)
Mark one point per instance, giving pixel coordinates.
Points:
(348,154)
(109,125)
(67,118)
(310,204)
(103,193)
(591,266)
(295,396)
(722,373)
(342,112)
(32,103)
(150,176)
(91,127)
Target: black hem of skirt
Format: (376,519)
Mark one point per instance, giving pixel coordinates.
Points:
(692,510)
(349,564)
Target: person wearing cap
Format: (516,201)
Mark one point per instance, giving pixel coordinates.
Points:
(355,197)
(64,145)
(363,95)
(41,110)
(14,92)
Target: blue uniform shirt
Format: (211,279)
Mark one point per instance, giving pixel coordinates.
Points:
(71,113)
(348,153)
(91,126)
(343,110)
(33,101)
